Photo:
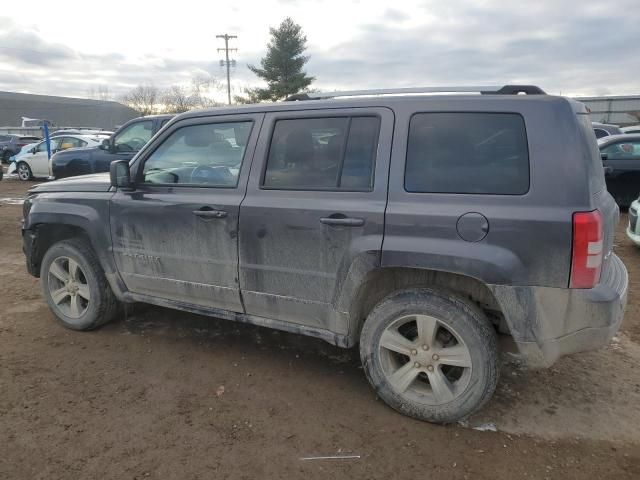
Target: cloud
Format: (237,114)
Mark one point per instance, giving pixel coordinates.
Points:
(574,46)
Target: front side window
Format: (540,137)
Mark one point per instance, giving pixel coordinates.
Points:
(336,153)
(42,146)
(208,154)
(133,137)
(622,151)
(481,153)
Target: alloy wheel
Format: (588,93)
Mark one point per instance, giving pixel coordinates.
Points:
(424,359)
(68,287)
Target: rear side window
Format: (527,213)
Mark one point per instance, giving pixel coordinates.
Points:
(600,132)
(622,151)
(336,153)
(481,153)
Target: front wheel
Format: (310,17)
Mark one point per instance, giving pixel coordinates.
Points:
(430,354)
(75,286)
(24,172)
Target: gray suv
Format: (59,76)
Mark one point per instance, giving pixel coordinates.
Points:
(417,226)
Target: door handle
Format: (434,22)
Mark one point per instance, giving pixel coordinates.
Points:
(343,221)
(210,213)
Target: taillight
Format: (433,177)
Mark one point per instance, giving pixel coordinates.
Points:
(586,259)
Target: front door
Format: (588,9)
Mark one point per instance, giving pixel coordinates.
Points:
(39,161)
(315,202)
(175,235)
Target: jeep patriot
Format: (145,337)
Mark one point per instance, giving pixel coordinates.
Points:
(417,226)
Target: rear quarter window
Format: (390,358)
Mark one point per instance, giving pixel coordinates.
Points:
(475,153)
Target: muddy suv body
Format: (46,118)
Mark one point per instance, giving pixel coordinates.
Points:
(415,225)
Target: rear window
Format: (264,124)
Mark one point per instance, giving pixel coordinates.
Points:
(478,153)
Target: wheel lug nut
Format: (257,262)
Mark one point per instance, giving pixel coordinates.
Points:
(425,347)
(417,364)
(430,368)
(414,352)
(435,357)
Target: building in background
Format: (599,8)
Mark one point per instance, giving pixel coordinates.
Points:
(61,111)
(619,110)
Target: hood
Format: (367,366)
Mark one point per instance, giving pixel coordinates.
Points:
(96,182)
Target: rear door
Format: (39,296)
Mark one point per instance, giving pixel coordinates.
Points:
(315,201)
(175,235)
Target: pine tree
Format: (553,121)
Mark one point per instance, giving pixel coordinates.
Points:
(282,66)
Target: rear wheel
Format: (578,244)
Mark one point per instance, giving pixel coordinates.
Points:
(430,355)
(24,172)
(75,286)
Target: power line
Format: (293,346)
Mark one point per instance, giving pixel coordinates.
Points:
(226,62)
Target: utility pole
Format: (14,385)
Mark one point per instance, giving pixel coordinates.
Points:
(227,62)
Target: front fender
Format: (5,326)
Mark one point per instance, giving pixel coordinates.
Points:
(86,211)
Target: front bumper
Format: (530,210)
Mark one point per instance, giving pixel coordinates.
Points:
(29,243)
(547,323)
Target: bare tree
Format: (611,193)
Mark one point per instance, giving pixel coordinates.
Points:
(202,87)
(143,98)
(101,92)
(178,99)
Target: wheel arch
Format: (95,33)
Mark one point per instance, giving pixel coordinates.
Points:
(381,282)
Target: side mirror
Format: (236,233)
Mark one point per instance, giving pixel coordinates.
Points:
(33,150)
(604,156)
(120,174)
(106,144)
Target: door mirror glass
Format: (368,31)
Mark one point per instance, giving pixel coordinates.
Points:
(106,144)
(120,174)
(604,156)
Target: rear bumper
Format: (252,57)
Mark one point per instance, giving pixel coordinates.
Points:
(547,323)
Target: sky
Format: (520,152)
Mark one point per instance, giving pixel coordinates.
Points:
(569,47)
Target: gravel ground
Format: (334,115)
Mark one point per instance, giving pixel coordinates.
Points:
(165,394)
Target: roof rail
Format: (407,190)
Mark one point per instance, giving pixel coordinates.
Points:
(484,90)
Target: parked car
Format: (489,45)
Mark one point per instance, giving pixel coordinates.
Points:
(11,144)
(633,228)
(631,129)
(122,145)
(36,162)
(603,129)
(414,226)
(621,159)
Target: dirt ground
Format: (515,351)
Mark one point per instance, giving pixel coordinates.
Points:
(164,394)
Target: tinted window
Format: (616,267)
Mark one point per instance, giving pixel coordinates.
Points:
(622,151)
(134,137)
(483,153)
(323,153)
(28,139)
(209,154)
(4,138)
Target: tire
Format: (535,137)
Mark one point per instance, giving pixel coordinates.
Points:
(24,171)
(86,301)
(403,368)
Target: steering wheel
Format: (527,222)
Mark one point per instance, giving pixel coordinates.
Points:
(207,174)
(131,145)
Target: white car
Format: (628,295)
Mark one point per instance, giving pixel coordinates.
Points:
(631,129)
(36,163)
(633,228)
